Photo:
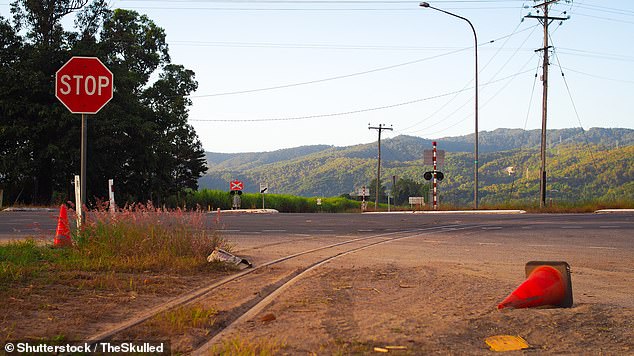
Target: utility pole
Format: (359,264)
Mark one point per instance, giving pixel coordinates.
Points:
(545,21)
(378,168)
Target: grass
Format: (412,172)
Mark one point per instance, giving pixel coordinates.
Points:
(179,320)
(240,346)
(139,238)
(213,199)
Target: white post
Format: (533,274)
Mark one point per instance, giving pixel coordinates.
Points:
(78,200)
(111,195)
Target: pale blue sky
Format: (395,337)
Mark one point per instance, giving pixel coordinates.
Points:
(400,60)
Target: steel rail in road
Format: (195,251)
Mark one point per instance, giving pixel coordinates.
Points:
(266,300)
(265,295)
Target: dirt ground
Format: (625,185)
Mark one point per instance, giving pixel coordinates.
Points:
(426,297)
(444,308)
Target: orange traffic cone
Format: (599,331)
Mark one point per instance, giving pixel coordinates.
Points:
(62,235)
(546,284)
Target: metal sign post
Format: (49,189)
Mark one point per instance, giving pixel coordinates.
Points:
(82,174)
(263,188)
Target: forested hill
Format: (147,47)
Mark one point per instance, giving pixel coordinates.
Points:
(405,148)
(328,170)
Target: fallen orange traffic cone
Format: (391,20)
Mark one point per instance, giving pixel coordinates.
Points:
(62,235)
(546,284)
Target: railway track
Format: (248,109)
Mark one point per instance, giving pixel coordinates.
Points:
(243,295)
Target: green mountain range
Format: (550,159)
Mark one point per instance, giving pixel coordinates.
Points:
(581,165)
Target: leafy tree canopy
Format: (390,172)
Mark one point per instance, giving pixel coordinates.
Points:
(141,139)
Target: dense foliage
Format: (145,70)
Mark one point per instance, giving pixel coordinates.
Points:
(140,139)
(595,165)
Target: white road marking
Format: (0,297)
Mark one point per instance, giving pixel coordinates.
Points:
(602,248)
(489,243)
(492,228)
(608,227)
(273,230)
(303,235)
(365,230)
(541,245)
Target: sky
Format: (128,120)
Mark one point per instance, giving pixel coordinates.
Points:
(276,74)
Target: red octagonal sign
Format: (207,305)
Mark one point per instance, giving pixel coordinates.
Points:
(84,85)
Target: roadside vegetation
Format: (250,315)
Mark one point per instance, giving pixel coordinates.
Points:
(211,200)
(214,199)
(139,238)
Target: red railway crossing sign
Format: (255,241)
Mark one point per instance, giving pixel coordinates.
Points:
(84,85)
(236,185)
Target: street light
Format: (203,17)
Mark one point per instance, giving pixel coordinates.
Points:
(475,161)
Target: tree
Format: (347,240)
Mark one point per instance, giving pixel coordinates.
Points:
(141,138)
(382,195)
(406,188)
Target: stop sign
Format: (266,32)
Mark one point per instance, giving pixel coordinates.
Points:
(84,85)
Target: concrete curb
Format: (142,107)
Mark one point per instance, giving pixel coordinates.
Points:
(451,212)
(29,209)
(246,211)
(614,211)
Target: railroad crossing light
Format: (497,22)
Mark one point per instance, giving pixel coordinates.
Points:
(429,175)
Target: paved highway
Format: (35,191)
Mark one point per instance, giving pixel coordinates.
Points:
(42,224)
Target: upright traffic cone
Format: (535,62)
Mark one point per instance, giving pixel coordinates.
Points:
(62,235)
(547,284)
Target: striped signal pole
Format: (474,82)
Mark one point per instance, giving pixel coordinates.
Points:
(435,184)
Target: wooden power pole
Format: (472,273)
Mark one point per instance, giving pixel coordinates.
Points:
(545,20)
(378,169)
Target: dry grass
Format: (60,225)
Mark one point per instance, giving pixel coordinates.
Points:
(179,320)
(241,346)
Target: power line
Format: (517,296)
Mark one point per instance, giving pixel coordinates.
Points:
(576,113)
(491,80)
(470,81)
(330,78)
(353,74)
(483,106)
(358,111)
(598,76)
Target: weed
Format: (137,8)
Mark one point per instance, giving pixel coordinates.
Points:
(179,320)
(144,238)
(240,346)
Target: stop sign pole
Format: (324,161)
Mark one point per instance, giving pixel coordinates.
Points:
(84,85)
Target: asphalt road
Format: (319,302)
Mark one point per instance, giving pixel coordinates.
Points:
(613,228)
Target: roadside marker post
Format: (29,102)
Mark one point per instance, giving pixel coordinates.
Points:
(78,207)
(263,190)
(111,195)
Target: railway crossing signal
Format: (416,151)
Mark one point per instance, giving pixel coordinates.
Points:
(235,185)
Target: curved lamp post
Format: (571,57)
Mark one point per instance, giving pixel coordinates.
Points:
(475,161)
